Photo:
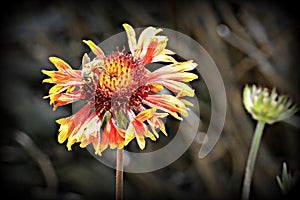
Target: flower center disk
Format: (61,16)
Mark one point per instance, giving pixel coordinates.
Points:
(120,83)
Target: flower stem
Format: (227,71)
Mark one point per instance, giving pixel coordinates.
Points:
(119,175)
(252,158)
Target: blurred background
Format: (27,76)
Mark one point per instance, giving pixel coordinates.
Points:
(251,42)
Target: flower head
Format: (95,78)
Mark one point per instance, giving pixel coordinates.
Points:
(122,96)
(267,107)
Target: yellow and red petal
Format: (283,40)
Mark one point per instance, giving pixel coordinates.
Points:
(55,90)
(175,67)
(156,122)
(62,78)
(66,79)
(156,87)
(129,135)
(131,37)
(174,72)
(163,58)
(146,114)
(60,64)
(180,76)
(186,102)
(92,139)
(70,125)
(167,103)
(153,47)
(177,87)
(65,98)
(161,45)
(90,127)
(112,136)
(64,132)
(136,130)
(168,51)
(146,34)
(149,45)
(148,50)
(65,76)
(95,49)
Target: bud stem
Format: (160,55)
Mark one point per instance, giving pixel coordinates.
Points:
(252,158)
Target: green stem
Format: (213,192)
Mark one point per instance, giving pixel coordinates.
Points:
(119,175)
(252,158)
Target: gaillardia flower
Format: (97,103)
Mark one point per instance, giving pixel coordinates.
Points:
(122,96)
(267,107)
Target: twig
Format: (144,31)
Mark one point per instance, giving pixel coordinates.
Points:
(263,64)
(41,159)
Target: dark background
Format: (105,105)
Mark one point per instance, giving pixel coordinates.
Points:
(32,31)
